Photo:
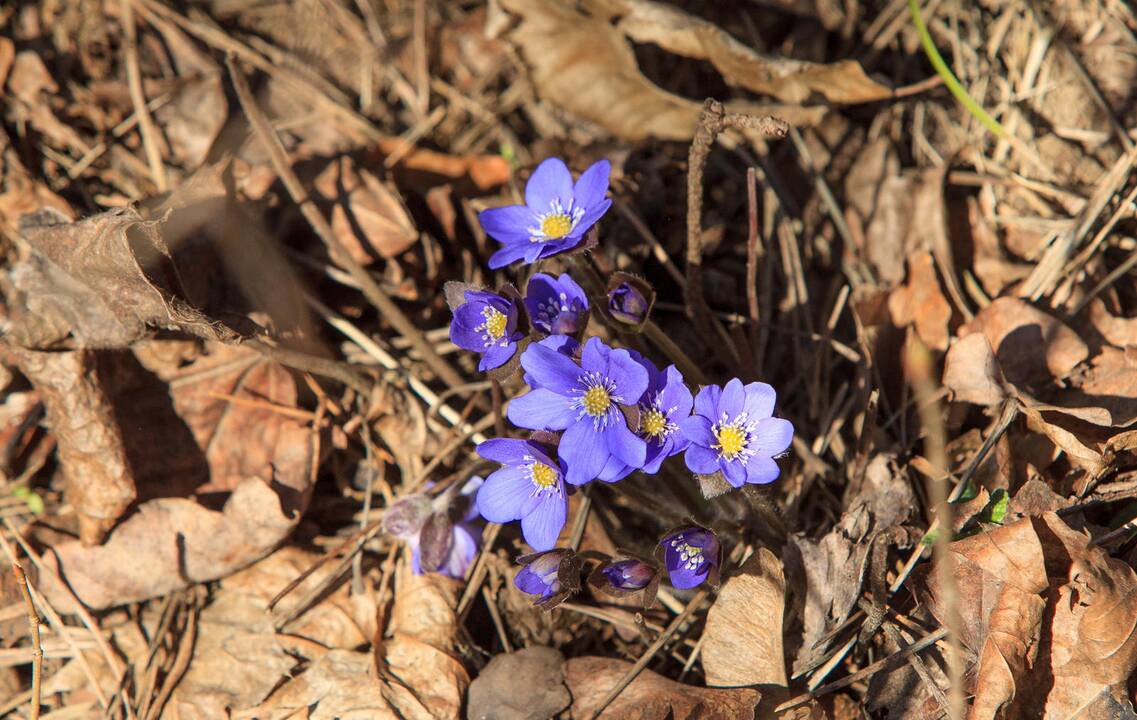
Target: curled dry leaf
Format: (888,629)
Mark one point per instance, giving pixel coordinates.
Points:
(972,373)
(650,696)
(582,63)
(369,219)
(828,573)
(105,279)
(539,670)
(249,467)
(1032,347)
(99,480)
(791,81)
(1050,618)
(921,302)
(238,655)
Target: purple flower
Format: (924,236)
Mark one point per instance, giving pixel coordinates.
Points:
(583,401)
(733,431)
(665,403)
(486,323)
(552,575)
(555,216)
(557,306)
(691,554)
(530,488)
(629,299)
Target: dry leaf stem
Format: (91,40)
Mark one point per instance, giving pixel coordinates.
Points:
(712,121)
(37,647)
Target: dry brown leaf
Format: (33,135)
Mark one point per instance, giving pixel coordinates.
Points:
(99,279)
(252,467)
(424,168)
(414,675)
(538,669)
(1119,332)
(791,81)
(1032,347)
(921,302)
(1037,586)
(972,373)
(99,480)
(742,642)
(368,218)
(584,64)
(650,696)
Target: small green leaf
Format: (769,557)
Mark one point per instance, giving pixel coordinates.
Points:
(31,498)
(969,493)
(997,508)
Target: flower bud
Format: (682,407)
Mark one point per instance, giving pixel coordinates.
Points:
(553,575)
(629,299)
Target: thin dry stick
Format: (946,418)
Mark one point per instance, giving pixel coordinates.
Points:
(891,661)
(138,98)
(371,290)
(648,654)
(753,252)
(712,121)
(37,648)
(919,369)
(53,617)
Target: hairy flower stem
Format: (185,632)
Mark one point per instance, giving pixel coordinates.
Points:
(594,286)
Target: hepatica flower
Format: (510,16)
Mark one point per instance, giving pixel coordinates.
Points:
(557,306)
(665,403)
(583,401)
(486,323)
(691,554)
(555,216)
(458,544)
(530,488)
(733,431)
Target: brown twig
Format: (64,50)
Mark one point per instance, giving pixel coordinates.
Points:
(37,648)
(387,307)
(712,121)
(331,369)
(138,98)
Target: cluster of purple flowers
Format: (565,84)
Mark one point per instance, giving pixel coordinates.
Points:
(597,412)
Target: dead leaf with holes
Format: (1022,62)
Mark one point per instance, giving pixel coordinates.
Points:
(413,673)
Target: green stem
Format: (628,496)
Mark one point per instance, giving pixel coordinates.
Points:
(945,72)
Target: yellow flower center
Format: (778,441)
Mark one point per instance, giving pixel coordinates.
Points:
(596,400)
(556,225)
(543,476)
(495,323)
(731,441)
(653,423)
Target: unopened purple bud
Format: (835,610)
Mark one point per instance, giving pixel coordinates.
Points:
(629,574)
(406,517)
(691,555)
(552,575)
(629,299)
